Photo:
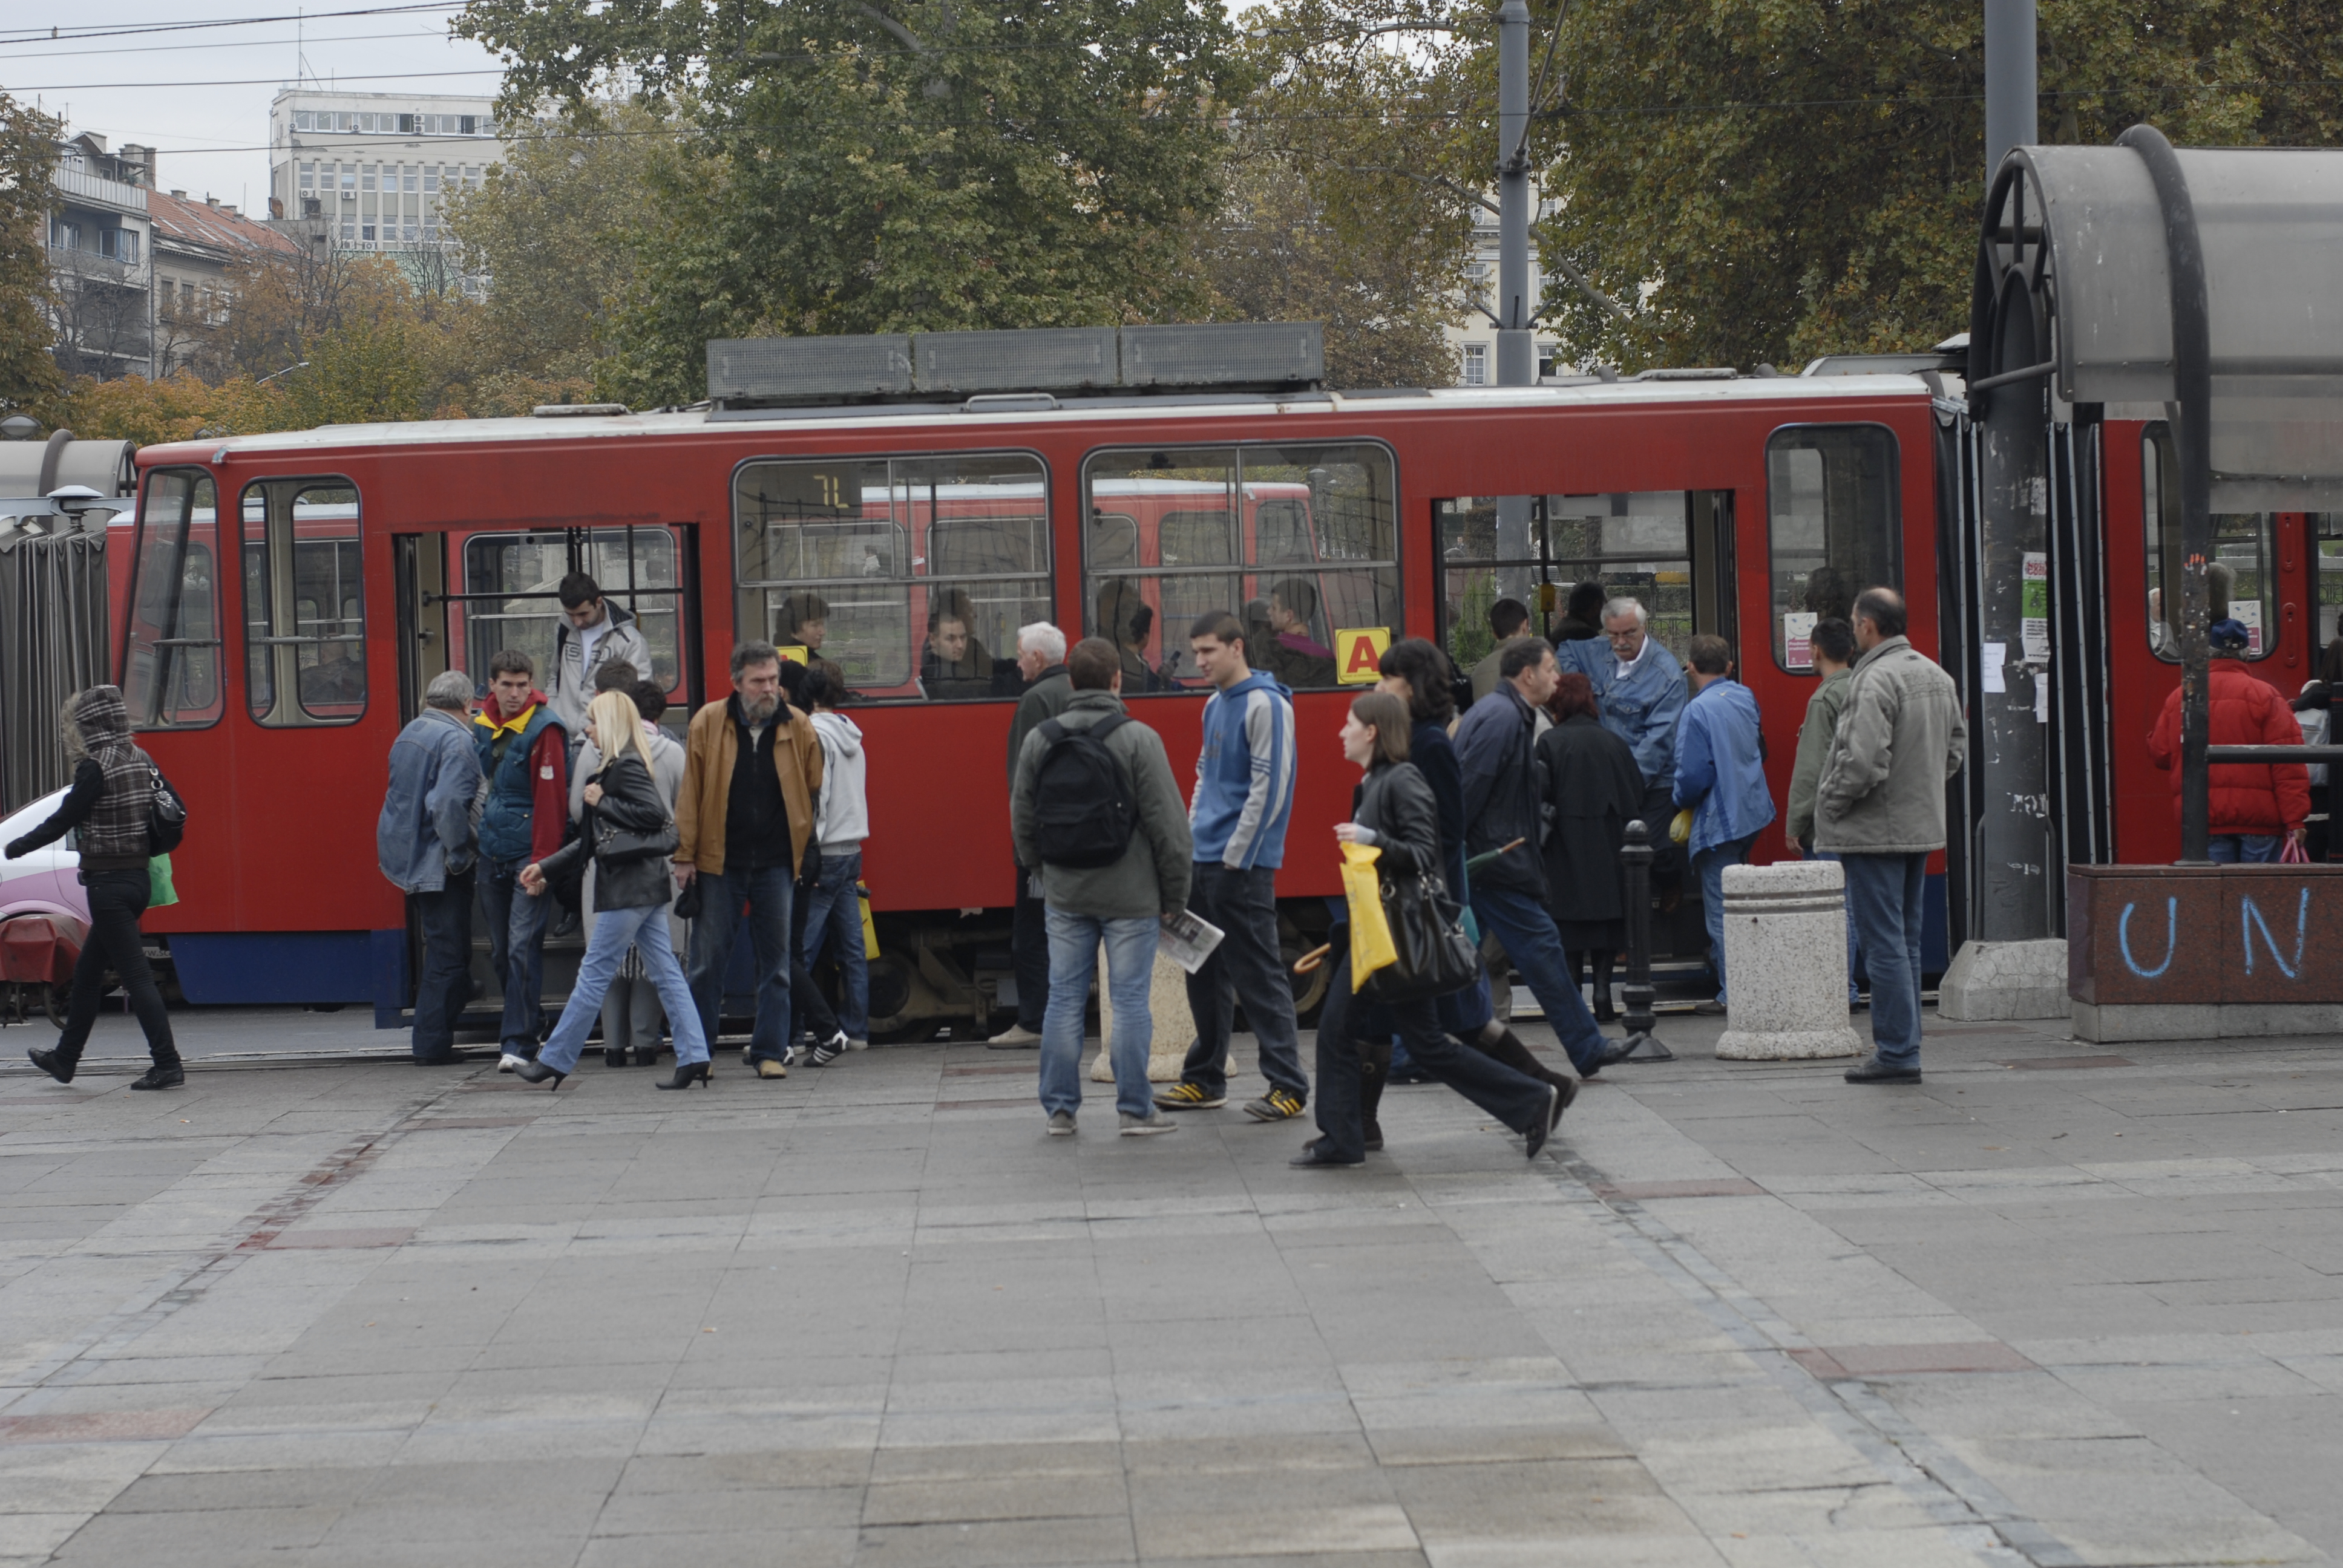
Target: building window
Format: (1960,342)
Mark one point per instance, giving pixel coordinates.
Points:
(1300,543)
(1833,528)
(365,176)
(431,177)
(308,177)
(1475,368)
(349,175)
(411,178)
(171,646)
(912,573)
(464,124)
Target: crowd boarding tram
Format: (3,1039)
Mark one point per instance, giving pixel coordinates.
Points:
(282,600)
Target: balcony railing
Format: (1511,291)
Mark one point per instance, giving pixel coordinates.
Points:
(96,189)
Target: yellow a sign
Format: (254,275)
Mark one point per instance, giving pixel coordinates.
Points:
(796,654)
(1359,654)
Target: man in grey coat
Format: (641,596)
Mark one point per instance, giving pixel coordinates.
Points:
(427,843)
(1041,664)
(1880,808)
(1121,905)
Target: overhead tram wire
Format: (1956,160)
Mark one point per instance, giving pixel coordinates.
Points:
(74,34)
(233,43)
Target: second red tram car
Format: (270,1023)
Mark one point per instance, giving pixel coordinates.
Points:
(281,601)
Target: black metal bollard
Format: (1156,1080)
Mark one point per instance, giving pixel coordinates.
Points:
(1642,1043)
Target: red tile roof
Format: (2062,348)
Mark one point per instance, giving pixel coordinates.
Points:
(200,223)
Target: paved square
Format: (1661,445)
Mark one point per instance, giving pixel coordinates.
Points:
(2048,1308)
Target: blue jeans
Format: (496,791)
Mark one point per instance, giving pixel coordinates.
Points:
(835,914)
(614,931)
(766,892)
(1854,947)
(1884,896)
(445,918)
(515,949)
(1526,930)
(1130,971)
(2242,848)
(1709,865)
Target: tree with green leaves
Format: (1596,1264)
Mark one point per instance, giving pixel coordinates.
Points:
(28,155)
(1768,180)
(910,164)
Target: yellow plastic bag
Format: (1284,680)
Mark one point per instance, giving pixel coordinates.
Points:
(1680,831)
(869,926)
(1371,938)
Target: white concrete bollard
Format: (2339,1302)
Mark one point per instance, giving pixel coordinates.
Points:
(1174,1026)
(1785,962)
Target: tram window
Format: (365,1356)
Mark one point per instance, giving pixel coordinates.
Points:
(911,574)
(1833,528)
(171,646)
(1301,543)
(636,568)
(304,603)
(2241,581)
(1638,544)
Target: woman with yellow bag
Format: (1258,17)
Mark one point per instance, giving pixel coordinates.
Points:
(1394,818)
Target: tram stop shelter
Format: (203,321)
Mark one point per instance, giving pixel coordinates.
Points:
(2202,286)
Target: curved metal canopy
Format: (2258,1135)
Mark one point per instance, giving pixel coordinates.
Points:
(2073,281)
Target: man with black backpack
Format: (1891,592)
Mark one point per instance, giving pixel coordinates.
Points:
(1096,808)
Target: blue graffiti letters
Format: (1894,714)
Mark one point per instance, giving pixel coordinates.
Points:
(2171,938)
(2249,916)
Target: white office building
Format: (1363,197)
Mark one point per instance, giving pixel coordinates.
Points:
(375,168)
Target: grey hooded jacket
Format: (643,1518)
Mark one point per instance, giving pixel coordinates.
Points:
(1900,736)
(1151,878)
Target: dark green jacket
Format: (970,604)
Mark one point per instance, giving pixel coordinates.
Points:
(1151,878)
(1823,709)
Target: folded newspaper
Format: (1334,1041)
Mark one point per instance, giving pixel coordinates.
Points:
(1188,941)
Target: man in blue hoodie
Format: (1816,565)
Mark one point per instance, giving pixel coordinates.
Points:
(1245,797)
(1721,780)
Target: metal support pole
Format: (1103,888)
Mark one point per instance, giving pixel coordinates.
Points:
(2010,93)
(1516,343)
(2192,440)
(1642,1043)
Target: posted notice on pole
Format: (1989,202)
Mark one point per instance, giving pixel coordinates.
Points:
(2033,608)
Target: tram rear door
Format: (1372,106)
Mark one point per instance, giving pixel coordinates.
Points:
(1670,550)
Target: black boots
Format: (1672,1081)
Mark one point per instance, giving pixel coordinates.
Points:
(162,1075)
(53,1062)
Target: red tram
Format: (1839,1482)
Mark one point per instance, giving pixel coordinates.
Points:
(368,559)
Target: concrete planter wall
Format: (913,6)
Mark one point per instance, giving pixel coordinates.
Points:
(2167,952)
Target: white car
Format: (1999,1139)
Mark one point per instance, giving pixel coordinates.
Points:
(48,880)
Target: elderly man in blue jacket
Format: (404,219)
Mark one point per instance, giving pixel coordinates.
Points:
(428,841)
(1721,780)
(1639,688)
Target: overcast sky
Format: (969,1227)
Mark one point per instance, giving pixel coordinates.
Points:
(201,95)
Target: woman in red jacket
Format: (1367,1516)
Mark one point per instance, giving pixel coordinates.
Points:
(2251,804)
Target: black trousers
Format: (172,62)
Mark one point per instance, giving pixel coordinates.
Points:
(1247,967)
(446,917)
(117,899)
(1028,953)
(1351,1027)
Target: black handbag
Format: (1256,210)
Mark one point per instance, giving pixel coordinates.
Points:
(1435,956)
(616,846)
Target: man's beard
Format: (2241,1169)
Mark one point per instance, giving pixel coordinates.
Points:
(759,709)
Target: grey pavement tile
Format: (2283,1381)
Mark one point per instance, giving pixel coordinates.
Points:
(1082,1539)
(830,1548)
(730,1510)
(819,1469)
(215,1533)
(996,1497)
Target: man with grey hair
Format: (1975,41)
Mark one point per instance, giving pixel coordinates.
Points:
(427,843)
(1041,664)
(1640,693)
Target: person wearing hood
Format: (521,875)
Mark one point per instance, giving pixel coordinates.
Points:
(1236,822)
(834,914)
(110,803)
(2250,806)
(593,630)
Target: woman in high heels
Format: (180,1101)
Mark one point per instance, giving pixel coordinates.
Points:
(631,893)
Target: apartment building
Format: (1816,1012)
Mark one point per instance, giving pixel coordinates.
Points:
(101,247)
(372,171)
(197,247)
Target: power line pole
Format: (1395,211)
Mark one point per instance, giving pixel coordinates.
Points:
(1516,342)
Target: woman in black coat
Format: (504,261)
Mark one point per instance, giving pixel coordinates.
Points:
(1393,812)
(1592,790)
(631,894)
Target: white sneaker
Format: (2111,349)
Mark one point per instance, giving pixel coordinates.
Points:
(858,1045)
(509,1060)
(1016,1037)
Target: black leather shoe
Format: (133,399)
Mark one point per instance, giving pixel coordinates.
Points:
(1545,1129)
(1873,1071)
(50,1062)
(443,1058)
(161,1076)
(1313,1158)
(538,1072)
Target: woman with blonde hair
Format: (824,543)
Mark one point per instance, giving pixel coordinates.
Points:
(631,833)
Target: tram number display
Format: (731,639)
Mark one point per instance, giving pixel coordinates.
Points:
(1359,654)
